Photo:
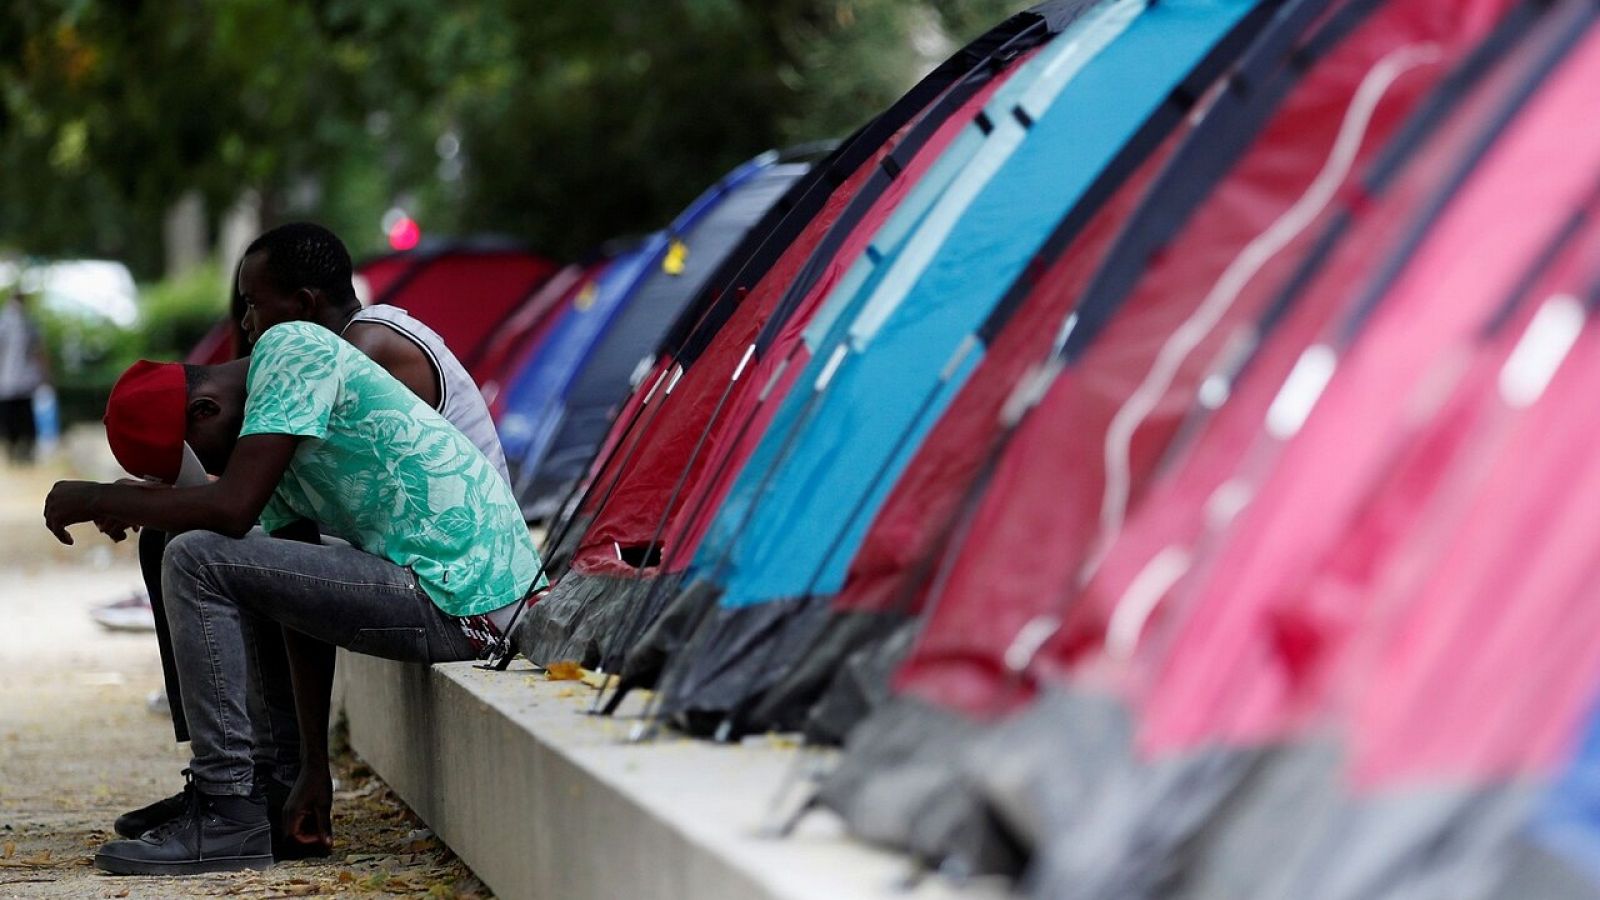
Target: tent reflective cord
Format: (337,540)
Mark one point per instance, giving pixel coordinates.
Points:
(1223,505)
(892,171)
(1251,259)
(998,49)
(1289,22)
(699,633)
(1171,723)
(1242,348)
(1004,134)
(922,334)
(885,174)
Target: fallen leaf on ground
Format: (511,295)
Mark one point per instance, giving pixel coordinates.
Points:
(564,670)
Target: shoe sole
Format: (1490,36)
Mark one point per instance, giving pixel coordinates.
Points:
(117,865)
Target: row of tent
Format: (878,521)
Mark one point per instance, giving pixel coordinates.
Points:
(1153,448)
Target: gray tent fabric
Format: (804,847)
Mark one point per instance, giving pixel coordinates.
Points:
(1059,788)
(1421,843)
(548,627)
(1234,823)
(860,686)
(1066,766)
(1041,769)
(667,634)
(738,657)
(843,636)
(1533,871)
(1241,850)
(896,765)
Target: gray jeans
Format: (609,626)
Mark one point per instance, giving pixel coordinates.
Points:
(220,590)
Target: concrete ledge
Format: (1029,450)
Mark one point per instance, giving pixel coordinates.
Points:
(543,801)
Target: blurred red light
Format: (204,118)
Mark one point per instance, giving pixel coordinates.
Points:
(405,234)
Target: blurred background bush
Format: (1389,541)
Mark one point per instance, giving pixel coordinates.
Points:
(163,134)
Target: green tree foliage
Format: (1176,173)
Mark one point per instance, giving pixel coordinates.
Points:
(575,121)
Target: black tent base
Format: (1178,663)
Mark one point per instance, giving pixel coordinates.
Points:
(787,704)
(736,655)
(901,784)
(1059,795)
(664,637)
(860,686)
(585,619)
(545,635)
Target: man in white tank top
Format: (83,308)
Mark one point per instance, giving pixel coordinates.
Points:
(302,272)
(444,384)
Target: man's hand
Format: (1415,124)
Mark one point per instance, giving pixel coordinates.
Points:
(69,503)
(308,812)
(115,529)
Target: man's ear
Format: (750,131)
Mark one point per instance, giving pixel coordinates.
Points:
(305,299)
(201,408)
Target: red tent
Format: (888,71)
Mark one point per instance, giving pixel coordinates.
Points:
(462,291)
(1038,524)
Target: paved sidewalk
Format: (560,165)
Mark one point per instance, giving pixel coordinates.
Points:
(78,746)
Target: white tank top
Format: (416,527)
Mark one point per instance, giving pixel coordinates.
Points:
(459,400)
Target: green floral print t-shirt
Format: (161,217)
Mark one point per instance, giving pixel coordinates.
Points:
(380,469)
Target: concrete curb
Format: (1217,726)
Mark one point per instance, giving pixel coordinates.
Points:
(543,801)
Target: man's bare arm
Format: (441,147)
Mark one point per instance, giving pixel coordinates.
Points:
(399,356)
(230,505)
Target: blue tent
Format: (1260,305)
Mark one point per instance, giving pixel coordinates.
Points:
(533,393)
(893,346)
(560,407)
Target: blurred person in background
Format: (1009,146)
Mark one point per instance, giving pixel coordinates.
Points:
(23,370)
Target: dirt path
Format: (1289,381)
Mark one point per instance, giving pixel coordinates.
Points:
(78,745)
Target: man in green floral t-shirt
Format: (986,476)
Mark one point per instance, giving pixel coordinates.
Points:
(385,472)
(308,428)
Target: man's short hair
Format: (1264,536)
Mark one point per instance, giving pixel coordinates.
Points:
(306,255)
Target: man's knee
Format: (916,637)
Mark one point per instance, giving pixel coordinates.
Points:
(187,553)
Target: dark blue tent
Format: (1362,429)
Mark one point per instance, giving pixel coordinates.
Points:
(559,409)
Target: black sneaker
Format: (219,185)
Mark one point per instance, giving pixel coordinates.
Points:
(216,833)
(137,822)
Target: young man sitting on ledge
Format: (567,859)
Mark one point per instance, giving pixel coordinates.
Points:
(301,272)
(307,429)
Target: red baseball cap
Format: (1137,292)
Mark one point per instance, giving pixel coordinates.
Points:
(146,420)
